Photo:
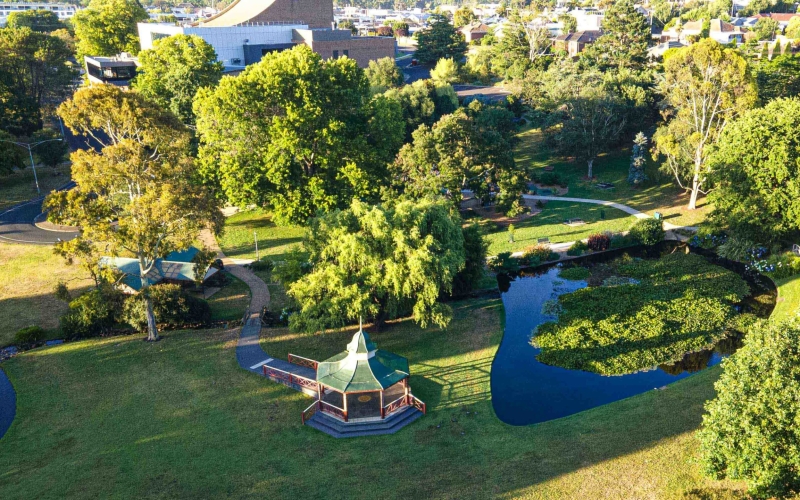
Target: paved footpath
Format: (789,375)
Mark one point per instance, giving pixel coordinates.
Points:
(8,403)
(249,353)
(618,206)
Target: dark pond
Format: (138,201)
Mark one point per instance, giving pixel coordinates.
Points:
(525,391)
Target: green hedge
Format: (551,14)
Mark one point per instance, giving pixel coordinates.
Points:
(681,303)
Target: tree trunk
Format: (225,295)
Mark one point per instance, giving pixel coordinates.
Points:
(695,182)
(152,330)
(590,162)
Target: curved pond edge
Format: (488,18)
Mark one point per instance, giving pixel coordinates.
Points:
(525,391)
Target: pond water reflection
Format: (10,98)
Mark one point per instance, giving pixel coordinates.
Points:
(525,391)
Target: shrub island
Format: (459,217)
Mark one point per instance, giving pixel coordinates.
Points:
(636,314)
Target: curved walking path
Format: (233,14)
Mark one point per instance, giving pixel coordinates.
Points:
(249,353)
(8,403)
(619,206)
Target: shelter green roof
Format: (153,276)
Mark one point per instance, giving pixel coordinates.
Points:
(362,367)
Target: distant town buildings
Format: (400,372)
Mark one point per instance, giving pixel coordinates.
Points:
(64,11)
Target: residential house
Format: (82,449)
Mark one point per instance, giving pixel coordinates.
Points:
(474,31)
(575,43)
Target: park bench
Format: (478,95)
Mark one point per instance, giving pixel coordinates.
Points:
(575,222)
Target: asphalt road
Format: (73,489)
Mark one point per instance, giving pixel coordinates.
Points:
(16,224)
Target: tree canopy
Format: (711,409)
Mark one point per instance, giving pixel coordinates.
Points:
(750,428)
(172,71)
(379,262)
(383,74)
(471,148)
(139,194)
(440,40)
(297,133)
(34,68)
(39,20)
(757,165)
(705,85)
(626,34)
(423,102)
(108,27)
(779,77)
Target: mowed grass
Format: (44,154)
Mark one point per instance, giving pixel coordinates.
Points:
(20,186)
(788,304)
(274,241)
(550,223)
(660,192)
(27,283)
(230,302)
(120,418)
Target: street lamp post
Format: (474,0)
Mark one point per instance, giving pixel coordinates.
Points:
(29,146)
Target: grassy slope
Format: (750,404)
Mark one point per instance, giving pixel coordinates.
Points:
(230,302)
(549,223)
(190,423)
(20,186)
(659,193)
(274,241)
(29,275)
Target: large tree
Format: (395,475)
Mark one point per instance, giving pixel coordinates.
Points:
(525,44)
(34,70)
(383,74)
(705,85)
(779,77)
(108,27)
(757,166)
(172,71)
(440,40)
(380,262)
(423,103)
(297,133)
(43,21)
(140,194)
(584,118)
(626,34)
(469,149)
(750,429)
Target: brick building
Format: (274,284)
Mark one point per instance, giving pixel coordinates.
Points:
(246,30)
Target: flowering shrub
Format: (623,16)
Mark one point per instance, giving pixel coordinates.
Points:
(599,242)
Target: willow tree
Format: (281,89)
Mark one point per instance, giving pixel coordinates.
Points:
(380,262)
(705,86)
(138,194)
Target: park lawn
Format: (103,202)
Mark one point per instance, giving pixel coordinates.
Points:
(659,194)
(788,298)
(274,241)
(27,282)
(20,186)
(191,423)
(550,223)
(230,302)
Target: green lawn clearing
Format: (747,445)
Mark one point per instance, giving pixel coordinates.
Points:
(118,417)
(230,302)
(20,185)
(660,193)
(27,282)
(274,241)
(550,223)
(788,305)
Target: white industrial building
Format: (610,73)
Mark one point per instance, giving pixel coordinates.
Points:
(235,45)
